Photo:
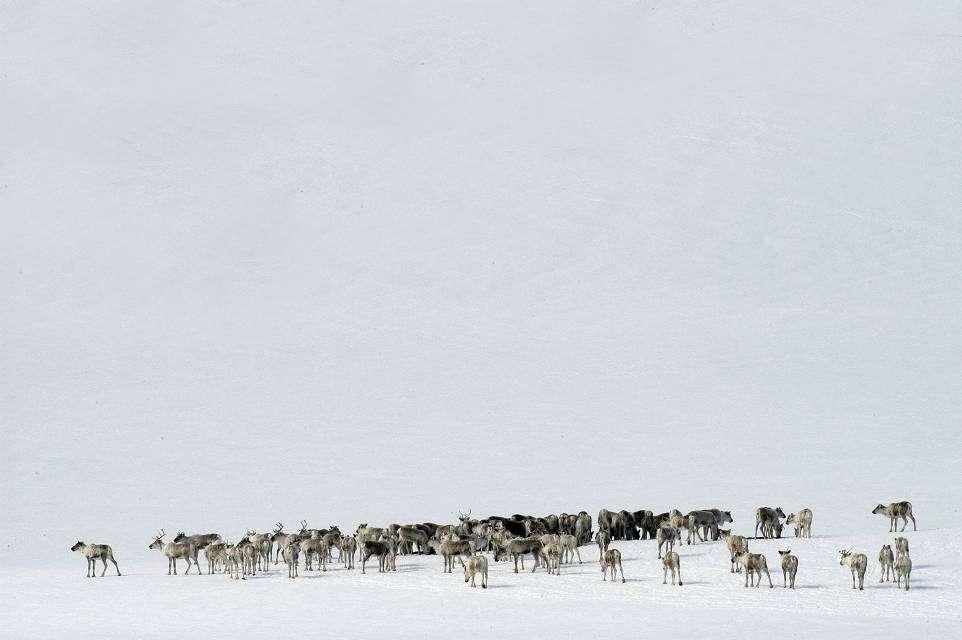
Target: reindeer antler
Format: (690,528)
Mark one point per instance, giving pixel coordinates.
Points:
(279,525)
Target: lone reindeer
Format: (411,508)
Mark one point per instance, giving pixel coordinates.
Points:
(93,551)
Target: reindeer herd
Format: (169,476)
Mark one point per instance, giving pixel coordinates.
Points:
(551,541)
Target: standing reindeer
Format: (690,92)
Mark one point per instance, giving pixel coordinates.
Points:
(612,560)
(856,562)
(789,568)
(886,560)
(175,550)
(894,511)
(93,551)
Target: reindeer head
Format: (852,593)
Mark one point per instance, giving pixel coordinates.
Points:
(158,542)
(844,553)
(333,529)
(779,512)
(180,536)
(303,526)
(361,526)
(879,509)
(78,546)
(278,527)
(462,517)
(785,552)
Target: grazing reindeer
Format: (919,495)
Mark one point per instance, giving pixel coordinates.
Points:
(903,569)
(215,552)
(895,511)
(348,546)
(667,536)
(569,548)
(768,520)
(789,568)
(735,544)
(474,566)
(612,560)
(901,546)
(754,564)
(856,562)
(291,551)
(93,551)
(672,563)
(175,550)
(517,548)
(603,538)
(803,523)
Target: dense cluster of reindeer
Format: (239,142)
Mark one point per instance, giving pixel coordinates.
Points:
(552,541)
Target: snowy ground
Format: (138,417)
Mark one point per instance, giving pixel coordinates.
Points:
(354,261)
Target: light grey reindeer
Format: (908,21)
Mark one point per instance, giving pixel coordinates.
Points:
(856,562)
(789,568)
(291,551)
(603,538)
(671,562)
(569,548)
(612,560)
(901,546)
(215,553)
(451,549)
(667,536)
(475,565)
(517,548)
(736,545)
(175,550)
(92,552)
(754,565)
(894,511)
(262,548)
(279,539)
(348,546)
(903,569)
(886,561)
(803,523)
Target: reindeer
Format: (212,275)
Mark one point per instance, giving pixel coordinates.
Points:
(612,560)
(672,563)
(803,523)
(279,538)
(451,549)
(569,548)
(552,558)
(199,540)
(767,519)
(856,562)
(894,511)
(735,545)
(583,528)
(603,538)
(474,566)
(903,569)
(789,568)
(901,546)
(365,533)
(667,536)
(262,547)
(92,552)
(291,551)
(175,550)
(754,564)
(517,548)
(704,523)
(215,552)
(348,546)
(886,560)
(314,547)
(374,548)
(236,562)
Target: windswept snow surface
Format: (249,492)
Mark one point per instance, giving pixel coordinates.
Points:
(352,261)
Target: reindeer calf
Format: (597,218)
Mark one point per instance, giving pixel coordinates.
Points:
(672,563)
(612,560)
(789,568)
